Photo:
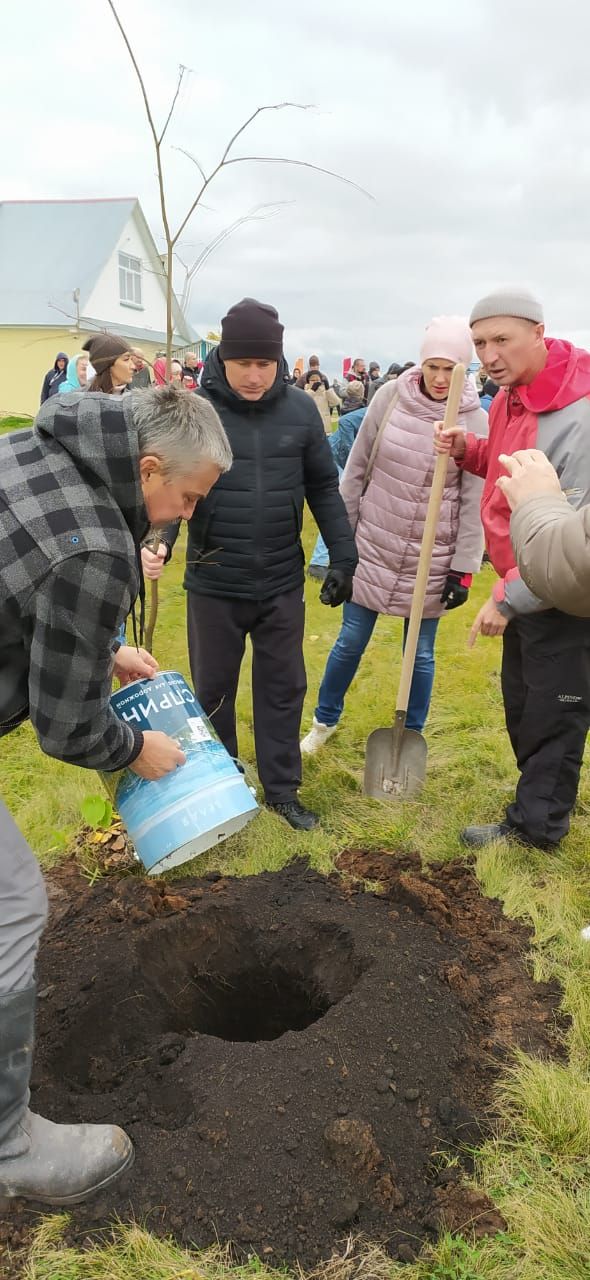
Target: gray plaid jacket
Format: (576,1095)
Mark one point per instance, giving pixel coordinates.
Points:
(71,518)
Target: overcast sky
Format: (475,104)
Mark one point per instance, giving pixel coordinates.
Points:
(468,122)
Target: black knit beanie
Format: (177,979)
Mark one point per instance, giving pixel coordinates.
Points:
(251,330)
(103,349)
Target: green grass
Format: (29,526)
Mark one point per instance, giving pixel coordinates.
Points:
(13,424)
(538,1168)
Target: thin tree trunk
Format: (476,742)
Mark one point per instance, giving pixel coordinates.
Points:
(225,160)
(152,616)
(169,314)
(152,544)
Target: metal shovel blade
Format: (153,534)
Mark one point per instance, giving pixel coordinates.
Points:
(391,779)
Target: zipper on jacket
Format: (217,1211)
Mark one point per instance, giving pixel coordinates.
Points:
(258,557)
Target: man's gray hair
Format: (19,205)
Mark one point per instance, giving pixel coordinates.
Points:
(181,428)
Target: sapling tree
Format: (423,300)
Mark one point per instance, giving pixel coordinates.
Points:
(173,234)
(227,158)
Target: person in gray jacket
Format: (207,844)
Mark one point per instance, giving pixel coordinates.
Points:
(551,541)
(77,495)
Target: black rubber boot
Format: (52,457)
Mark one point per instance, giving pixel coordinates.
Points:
(58,1164)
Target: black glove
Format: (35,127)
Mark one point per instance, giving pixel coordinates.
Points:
(337,588)
(456,589)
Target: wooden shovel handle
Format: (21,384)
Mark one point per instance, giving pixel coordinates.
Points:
(430,526)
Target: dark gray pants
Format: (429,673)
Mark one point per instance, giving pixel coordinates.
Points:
(217,630)
(23,907)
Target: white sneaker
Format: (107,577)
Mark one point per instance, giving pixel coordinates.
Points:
(317,736)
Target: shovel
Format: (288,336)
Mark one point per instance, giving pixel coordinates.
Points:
(395,758)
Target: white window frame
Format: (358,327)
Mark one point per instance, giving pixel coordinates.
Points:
(130,282)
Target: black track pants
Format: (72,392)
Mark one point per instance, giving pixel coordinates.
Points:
(217,630)
(546,689)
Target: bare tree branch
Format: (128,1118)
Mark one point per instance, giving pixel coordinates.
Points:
(226,159)
(277,106)
(302,164)
(181,73)
(272,106)
(261,213)
(161,188)
(80,323)
(143,89)
(190,156)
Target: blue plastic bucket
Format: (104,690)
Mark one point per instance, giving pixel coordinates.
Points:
(196,806)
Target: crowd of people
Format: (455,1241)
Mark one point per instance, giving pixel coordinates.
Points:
(124,367)
(117,449)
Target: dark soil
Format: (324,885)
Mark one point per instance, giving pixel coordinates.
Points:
(287,1051)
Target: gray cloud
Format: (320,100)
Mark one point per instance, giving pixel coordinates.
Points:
(469,123)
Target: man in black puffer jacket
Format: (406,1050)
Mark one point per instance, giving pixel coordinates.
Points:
(245,563)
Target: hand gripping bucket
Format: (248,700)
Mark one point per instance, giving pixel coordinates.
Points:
(196,806)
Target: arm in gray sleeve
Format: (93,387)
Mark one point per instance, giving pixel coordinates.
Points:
(74,615)
(552,546)
(512,596)
(563,436)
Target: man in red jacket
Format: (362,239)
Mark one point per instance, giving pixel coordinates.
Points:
(544,403)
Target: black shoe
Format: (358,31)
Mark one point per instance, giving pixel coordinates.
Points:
(479,837)
(294,813)
(318,571)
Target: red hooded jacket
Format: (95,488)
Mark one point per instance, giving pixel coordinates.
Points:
(513,423)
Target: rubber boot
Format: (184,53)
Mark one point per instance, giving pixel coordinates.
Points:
(58,1164)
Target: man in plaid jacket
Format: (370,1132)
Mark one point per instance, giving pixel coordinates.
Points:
(77,495)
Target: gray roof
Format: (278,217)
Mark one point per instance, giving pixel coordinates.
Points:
(49,248)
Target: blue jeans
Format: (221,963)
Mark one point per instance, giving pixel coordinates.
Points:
(320,555)
(357,628)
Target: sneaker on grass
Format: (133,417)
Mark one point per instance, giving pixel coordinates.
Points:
(298,817)
(317,736)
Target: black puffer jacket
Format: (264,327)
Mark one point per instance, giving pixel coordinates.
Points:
(244,539)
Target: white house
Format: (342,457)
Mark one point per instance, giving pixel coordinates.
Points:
(67,269)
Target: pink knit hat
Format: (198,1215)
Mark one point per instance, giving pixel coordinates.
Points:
(447,338)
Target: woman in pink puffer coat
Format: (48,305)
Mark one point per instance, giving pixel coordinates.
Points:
(389,512)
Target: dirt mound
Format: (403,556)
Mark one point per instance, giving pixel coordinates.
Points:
(287,1051)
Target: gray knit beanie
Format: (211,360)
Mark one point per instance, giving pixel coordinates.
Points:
(511,301)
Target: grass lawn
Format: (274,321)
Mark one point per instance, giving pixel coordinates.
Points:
(13,424)
(538,1168)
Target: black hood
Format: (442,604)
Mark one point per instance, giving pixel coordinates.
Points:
(216,384)
(98,432)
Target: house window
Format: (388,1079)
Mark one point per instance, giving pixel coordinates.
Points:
(129,280)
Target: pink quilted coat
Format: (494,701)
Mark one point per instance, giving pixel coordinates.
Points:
(389,517)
